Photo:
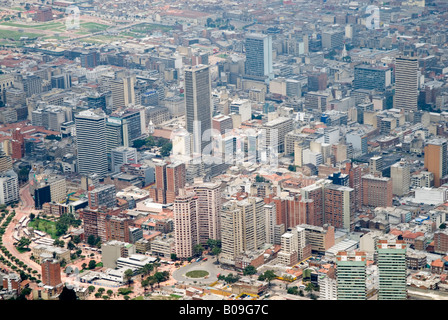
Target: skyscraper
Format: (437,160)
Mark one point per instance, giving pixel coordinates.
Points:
(209,206)
(401,178)
(392,269)
(170,178)
(258,56)
(51,272)
(243,227)
(198,105)
(91,143)
(185,223)
(406,83)
(351,275)
(436,159)
(339,206)
(122,89)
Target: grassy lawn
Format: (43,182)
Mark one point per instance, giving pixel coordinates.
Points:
(149,27)
(52,26)
(93,26)
(138,298)
(15,35)
(45,226)
(197,274)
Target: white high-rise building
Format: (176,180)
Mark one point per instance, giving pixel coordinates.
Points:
(9,187)
(198,106)
(122,155)
(185,223)
(259,56)
(208,212)
(91,143)
(401,178)
(406,83)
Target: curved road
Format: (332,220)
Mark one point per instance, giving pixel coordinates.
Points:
(209,266)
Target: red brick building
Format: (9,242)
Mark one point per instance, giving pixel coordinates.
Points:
(376,191)
(51,272)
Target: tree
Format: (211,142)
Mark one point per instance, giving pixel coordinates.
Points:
(197,250)
(230,278)
(145,284)
(442,226)
(128,274)
(249,270)
(152,281)
(91,240)
(173,256)
(24,243)
(166,149)
(216,251)
(268,275)
(147,268)
(292,167)
(109,292)
(76,239)
(101,290)
(70,245)
(91,289)
(84,265)
(92,264)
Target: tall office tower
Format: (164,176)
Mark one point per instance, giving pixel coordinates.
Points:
(122,90)
(270,222)
(5,161)
(436,159)
(372,77)
(89,59)
(117,228)
(392,270)
(175,180)
(317,81)
(333,39)
(354,172)
(258,56)
(209,207)
(159,192)
(9,187)
(91,143)
(243,227)
(276,131)
(17,144)
(406,83)
(339,207)
(185,223)
(122,155)
(289,251)
(376,191)
(315,193)
(114,134)
(94,221)
(351,275)
(198,105)
(441,241)
(102,196)
(376,165)
(401,178)
(328,285)
(51,272)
